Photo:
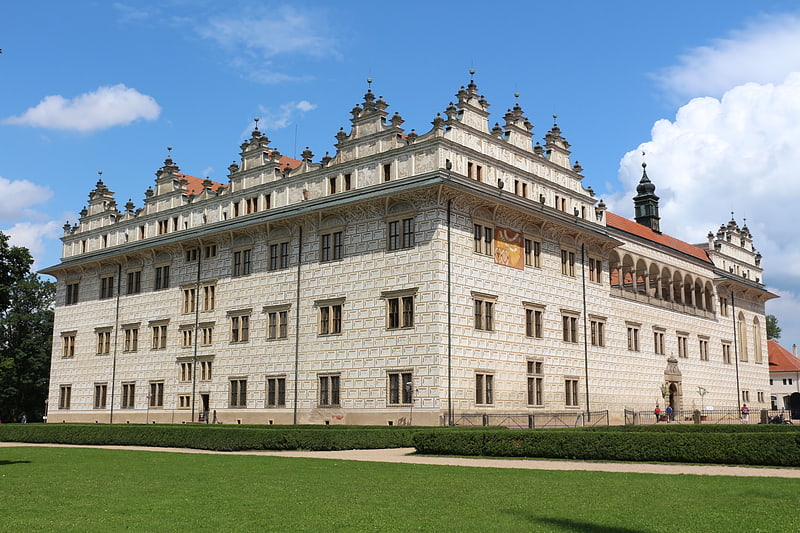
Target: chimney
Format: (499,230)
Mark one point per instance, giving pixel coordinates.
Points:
(794,349)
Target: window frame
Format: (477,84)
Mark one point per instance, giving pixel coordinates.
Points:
(330,391)
(484,388)
(398,392)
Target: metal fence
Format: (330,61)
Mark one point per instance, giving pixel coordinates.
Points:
(531,420)
(715,416)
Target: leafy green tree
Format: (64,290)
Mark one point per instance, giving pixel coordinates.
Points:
(773,330)
(26,332)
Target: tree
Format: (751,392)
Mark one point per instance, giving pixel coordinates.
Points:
(773,330)
(26,333)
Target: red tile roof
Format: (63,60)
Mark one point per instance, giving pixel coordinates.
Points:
(634,228)
(781,359)
(195,184)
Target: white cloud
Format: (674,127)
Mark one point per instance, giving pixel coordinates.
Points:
(764,52)
(104,108)
(18,196)
(273,119)
(263,35)
(739,153)
(36,237)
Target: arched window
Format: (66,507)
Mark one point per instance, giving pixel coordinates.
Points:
(742,325)
(756,340)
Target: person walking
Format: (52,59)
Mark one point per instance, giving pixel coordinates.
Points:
(745,412)
(669,413)
(657,412)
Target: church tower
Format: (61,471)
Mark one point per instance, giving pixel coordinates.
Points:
(645,203)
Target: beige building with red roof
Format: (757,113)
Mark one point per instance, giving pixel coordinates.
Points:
(461,275)
(784,378)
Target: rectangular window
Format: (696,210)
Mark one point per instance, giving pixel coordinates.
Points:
(279,256)
(401,234)
(128,395)
(185,371)
(277,322)
(571,392)
(484,314)
(103,342)
(211,251)
(329,391)
(100,393)
(251,205)
(533,323)
(106,287)
(238,389)
(703,344)
(189,300)
(760,396)
(184,401)
(331,246)
(191,255)
(683,346)
(595,270)
(162,277)
(330,319)
(658,342)
(484,238)
(745,396)
(156,397)
(533,253)
(276,392)
(484,389)
(401,388)
(241,262)
(134,282)
(207,335)
(400,312)
(569,328)
(633,338)
(568,263)
(535,383)
(187,335)
(726,353)
(474,171)
(347,182)
(141,232)
(209,297)
(131,339)
(71,297)
(159,337)
(163,226)
(332,185)
(68,345)
(64,396)
(240,328)
(598,331)
(205,370)
(387,172)
(723,305)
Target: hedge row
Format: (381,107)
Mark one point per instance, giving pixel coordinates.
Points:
(698,428)
(768,448)
(220,438)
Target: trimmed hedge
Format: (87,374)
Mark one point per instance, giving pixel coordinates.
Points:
(697,428)
(219,438)
(753,448)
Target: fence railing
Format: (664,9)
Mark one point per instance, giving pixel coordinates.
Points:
(708,416)
(532,420)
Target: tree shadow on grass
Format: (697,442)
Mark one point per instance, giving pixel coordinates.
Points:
(3,463)
(565,524)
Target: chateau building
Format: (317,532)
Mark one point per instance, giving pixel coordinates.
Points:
(784,378)
(407,278)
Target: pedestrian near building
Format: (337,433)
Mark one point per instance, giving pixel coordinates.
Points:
(657,412)
(669,413)
(745,412)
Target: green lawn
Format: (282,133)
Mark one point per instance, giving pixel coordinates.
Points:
(72,489)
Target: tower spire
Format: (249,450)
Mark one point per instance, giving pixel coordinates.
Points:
(645,203)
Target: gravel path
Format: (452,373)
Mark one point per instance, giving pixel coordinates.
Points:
(402,455)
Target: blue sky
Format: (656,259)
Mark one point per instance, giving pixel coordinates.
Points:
(710,90)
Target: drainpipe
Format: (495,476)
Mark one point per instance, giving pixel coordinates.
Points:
(116,341)
(297,325)
(736,352)
(450,420)
(585,337)
(196,327)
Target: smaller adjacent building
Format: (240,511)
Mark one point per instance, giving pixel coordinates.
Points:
(784,378)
